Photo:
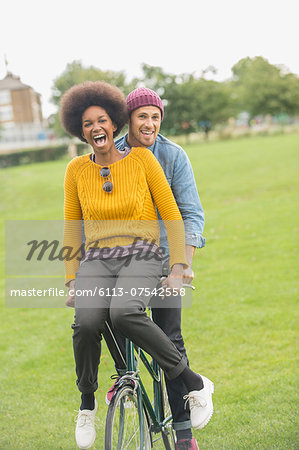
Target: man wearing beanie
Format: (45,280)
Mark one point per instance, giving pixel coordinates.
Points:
(146,113)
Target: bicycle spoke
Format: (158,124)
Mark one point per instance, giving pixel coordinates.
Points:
(122,425)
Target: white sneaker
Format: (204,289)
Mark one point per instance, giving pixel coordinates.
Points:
(201,404)
(85,430)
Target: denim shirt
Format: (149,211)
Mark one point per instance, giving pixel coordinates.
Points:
(179,174)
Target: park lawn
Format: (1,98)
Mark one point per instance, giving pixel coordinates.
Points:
(240,332)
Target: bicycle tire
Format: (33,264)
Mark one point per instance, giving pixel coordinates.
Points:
(122,422)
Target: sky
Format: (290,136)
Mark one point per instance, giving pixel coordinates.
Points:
(39,38)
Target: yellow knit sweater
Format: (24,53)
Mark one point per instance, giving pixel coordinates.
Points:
(124,215)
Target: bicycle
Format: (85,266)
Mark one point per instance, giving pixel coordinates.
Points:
(132,420)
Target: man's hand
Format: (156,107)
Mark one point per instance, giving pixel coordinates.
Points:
(188,275)
(174,281)
(70,301)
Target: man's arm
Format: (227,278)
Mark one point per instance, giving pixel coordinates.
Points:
(185,192)
(188,273)
(186,195)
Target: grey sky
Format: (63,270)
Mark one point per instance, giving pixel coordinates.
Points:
(41,37)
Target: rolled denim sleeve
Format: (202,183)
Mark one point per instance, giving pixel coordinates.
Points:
(185,192)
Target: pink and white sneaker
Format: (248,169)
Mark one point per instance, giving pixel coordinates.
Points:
(111,391)
(186,444)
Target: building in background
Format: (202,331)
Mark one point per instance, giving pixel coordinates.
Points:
(21,118)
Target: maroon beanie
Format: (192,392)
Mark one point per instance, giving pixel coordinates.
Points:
(144,97)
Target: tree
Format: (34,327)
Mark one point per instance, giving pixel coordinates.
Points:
(75,73)
(189,101)
(195,103)
(262,88)
(155,78)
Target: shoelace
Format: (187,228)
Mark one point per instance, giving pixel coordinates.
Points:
(115,377)
(83,418)
(194,400)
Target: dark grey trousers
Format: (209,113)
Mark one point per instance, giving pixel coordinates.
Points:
(121,287)
(168,318)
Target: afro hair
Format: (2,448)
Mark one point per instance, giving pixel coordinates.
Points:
(92,93)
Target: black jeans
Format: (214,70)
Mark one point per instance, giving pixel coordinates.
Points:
(169,320)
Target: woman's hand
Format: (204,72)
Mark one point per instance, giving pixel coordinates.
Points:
(174,281)
(70,301)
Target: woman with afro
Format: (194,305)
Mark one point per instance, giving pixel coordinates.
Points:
(116,194)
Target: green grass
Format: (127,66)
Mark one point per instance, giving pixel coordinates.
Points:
(241,331)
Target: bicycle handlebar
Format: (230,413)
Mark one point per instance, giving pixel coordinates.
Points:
(184,284)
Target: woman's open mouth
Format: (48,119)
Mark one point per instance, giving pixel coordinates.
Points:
(100,140)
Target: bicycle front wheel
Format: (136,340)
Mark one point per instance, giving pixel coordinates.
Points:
(123,429)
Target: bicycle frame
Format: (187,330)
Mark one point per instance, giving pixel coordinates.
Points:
(154,370)
(154,412)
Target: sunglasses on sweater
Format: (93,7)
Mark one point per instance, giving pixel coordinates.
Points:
(105,172)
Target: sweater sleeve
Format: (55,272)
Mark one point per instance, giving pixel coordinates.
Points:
(164,200)
(72,241)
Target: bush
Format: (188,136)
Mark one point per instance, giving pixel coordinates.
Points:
(30,156)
